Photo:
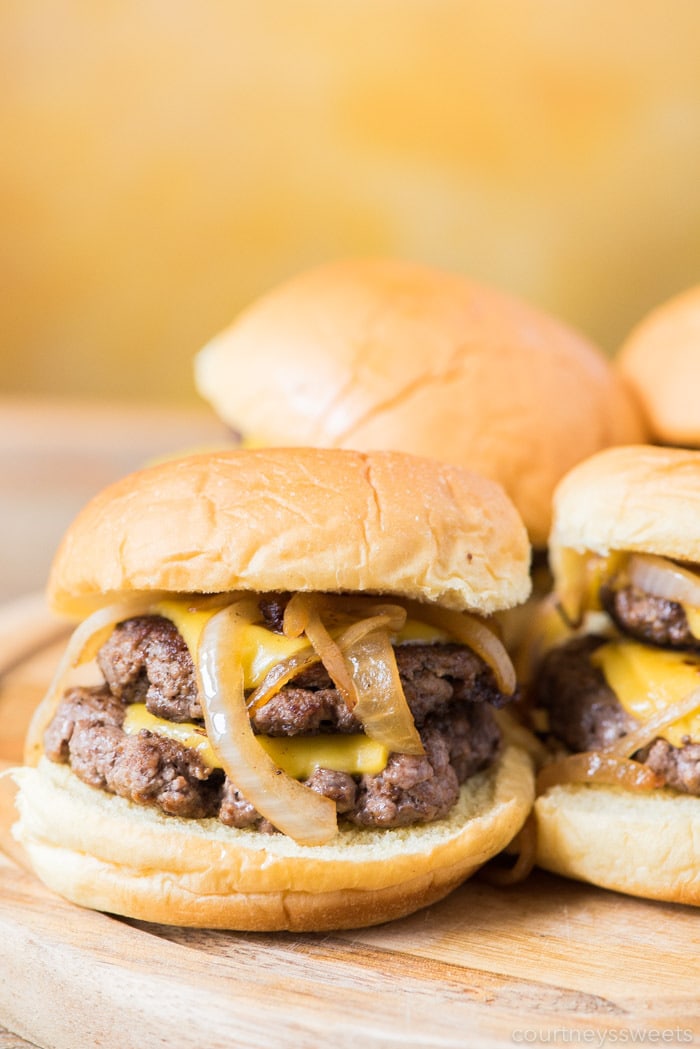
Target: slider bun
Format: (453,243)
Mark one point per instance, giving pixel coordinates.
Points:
(641,498)
(643,844)
(104,852)
(387,354)
(661,361)
(297,519)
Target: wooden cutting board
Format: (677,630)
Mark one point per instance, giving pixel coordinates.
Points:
(547,962)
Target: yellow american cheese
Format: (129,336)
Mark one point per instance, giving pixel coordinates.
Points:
(261,649)
(647,680)
(298,756)
(693,617)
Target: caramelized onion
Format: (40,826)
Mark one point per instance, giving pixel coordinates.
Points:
(82,646)
(633,741)
(469,630)
(595,766)
(300,813)
(357,631)
(362,665)
(280,674)
(525,844)
(303,616)
(381,703)
(663,578)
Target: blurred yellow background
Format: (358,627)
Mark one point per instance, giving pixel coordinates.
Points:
(163,162)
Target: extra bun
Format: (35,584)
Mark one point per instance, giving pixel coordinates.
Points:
(661,362)
(640,498)
(104,852)
(387,354)
(297,519)
(643,844)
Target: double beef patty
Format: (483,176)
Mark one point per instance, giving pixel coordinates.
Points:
(449,689)
(584,712)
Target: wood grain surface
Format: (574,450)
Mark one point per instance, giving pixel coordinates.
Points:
(548,962)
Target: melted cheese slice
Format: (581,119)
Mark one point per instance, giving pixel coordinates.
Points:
(262,648)
(298,756)
(693,617)
(648,680)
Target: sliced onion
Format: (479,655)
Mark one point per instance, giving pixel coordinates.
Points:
(525,844)
(280,674)
(381,705)
(469,630)
(633,741)
(594,766)
(82,646)
(363,608)
(362,665)
(663,578)
(303,615)
(300,813)
(357,631)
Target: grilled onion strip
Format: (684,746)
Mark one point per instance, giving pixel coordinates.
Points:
(82,646)
(614,764)
(362,665)
(300,813)
(303,616)
(381,705)
(595,766)
(660,577)
(640,737)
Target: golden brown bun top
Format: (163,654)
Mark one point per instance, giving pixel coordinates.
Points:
(661,361)
(387,354)
(297,519)
(640,498)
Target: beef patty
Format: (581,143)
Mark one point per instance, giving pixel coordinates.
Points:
(585,714)
(449,689)
(655,620)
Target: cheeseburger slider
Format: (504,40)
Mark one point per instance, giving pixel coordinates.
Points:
(388,354)
(619,804)
(294,723)
(661,362)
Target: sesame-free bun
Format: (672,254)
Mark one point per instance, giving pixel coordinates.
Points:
(105,852)
(387,354)
(661,361)
(643,499)
(639,498)
(297,519)
(640,843)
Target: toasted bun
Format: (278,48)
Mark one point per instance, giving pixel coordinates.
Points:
(387,354)
(638,498)
(297,519)
(101,851)
(644,844)
(661,362)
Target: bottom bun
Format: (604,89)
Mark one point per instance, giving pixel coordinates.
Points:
(643,844)
(107,853)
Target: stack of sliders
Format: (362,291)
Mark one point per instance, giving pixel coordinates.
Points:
(660,360)
(280,708)
(619,700)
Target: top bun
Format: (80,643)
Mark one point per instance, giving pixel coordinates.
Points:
(643,498)
(297,519)
(387,354)
(661,361)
